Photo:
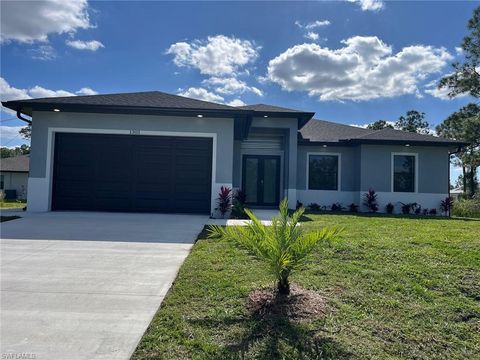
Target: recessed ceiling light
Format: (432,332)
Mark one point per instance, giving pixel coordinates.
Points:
(200,115)
(265,116)
(56,110)
(324,145)
(407,144)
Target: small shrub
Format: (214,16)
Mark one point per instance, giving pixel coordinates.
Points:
(314,207)
(410,208)
(370,200)
(240,196)
(417,210)
(432,212)
(353,208)
(446,205)
(299,205)
(425,211)
(224,200)
(389,208)
(336,207)
(238,205)
(467,207)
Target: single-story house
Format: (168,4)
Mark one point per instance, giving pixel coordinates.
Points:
(14,175)
(158,152)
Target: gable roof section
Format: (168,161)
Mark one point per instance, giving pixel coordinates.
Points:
(268,108)
(15,164)
(320,131)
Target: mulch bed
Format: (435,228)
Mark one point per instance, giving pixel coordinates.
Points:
(301,304)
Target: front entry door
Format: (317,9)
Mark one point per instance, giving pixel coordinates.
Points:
(261,179)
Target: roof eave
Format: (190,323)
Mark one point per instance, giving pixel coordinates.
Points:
(28,108)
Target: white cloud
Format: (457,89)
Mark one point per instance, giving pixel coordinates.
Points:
(459,50)
(313,24)
(369,5)
(86,91)
(201,94)
(365,68)
(229,86)
(432,89)
(43,52)
(10,137)
(92,45)
(218,55)
(8,92)
(236,102)
(30,21)
(312,35)
(41,92)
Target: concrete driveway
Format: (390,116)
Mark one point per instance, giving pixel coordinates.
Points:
(86,285)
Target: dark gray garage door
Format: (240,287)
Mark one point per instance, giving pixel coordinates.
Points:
(132,173)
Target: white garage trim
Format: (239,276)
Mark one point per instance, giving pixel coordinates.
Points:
(45,186)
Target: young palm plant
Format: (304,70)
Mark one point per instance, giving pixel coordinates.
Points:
(284,245)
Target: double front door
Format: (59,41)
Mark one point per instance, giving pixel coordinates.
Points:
(261,179)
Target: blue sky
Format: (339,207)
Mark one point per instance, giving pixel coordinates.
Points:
(334,58)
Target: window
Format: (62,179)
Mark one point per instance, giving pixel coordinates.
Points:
(323,170)
(2,182)
(404,172)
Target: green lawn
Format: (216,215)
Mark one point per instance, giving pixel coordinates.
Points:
(398,288)
(12,204)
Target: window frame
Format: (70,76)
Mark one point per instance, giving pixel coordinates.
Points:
(339,172)
(392,173)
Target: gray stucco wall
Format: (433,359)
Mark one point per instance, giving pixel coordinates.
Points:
(350,176)
(223,128)
(376,167)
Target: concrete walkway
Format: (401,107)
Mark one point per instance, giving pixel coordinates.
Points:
(86,285)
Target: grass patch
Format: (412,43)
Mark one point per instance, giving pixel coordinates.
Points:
(12,204)
(395,288)
(8,218)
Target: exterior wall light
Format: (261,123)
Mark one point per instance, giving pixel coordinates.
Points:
(324,145)
(199,116)
(56,110)
(265,116)
(407,145)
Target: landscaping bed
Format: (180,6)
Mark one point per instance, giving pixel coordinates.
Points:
(389,287)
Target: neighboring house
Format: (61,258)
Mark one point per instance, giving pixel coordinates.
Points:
(14,175)
(152,151)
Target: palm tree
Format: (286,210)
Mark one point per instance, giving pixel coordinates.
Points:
(284,245)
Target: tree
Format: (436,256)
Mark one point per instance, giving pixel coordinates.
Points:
(464,124)
(284,245)
(19,150)
(379,125)
(26,132)
(414,121)
(466,77)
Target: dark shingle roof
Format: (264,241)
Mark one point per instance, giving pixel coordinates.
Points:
(393,134)
(148,99)
(320,131)
(268,108)
(15,164)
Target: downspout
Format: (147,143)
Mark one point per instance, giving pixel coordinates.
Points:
(19,115)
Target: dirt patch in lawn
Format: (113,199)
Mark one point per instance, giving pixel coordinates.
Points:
(302,304)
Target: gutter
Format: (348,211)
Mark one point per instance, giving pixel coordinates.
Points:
(19,115)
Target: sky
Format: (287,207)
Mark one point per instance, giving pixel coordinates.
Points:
(352,62)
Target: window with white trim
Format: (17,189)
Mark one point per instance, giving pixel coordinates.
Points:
(323,172)
(404,173)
